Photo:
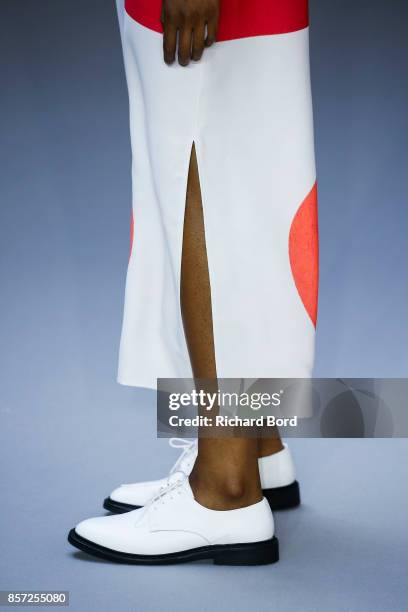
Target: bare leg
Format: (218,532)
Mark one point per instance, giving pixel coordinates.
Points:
(269,446)
(195,283)
(225,475)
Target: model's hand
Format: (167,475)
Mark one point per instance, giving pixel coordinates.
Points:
(189,26)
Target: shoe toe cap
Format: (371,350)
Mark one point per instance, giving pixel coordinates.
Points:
(94,529)
(113,532)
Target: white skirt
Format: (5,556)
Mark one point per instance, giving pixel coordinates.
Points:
(247,107)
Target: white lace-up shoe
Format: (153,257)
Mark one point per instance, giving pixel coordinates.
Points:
(175,528)
(278,481)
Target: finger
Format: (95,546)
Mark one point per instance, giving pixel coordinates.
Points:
(211,31)
(184,46)
(198,42)
(169,41)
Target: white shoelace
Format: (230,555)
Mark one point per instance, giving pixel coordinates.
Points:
(182,466)
(166,494)
(183,463)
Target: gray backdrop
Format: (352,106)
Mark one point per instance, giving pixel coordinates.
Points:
(69,434)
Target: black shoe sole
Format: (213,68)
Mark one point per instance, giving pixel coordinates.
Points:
(256,553)
(280,498)
(118,507)
(283,498)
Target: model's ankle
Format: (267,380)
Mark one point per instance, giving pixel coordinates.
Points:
(269,446)
(228,492)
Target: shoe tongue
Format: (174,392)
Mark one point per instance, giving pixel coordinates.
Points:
(180,486)
(175,477)
(187,488)
(186,460)
(167,513)
(181,483)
